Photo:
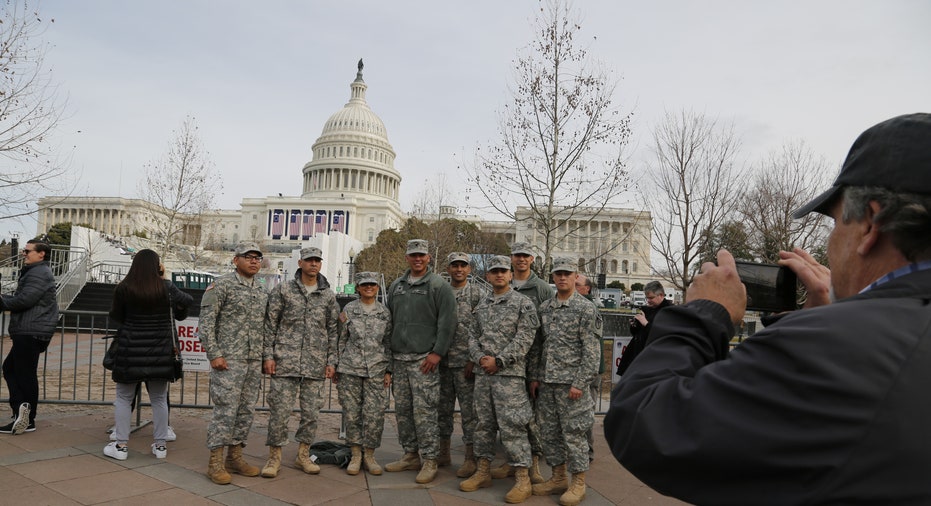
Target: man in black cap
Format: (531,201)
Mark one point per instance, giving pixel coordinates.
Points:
(829,404)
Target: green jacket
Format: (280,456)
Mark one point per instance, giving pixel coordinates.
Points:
(423,314)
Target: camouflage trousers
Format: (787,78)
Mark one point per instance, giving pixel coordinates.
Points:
(502,405)
(416,396)
(233,393)
(595,388)
(364,401)
(454,385)
(564,424)
(281,402)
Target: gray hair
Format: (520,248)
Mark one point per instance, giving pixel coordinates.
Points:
(906,217)
(654,287)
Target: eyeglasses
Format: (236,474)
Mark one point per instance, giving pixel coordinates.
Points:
(27,251)
(252,258)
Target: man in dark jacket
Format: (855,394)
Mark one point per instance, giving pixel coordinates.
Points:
(33,317)
(829,404)
(640,325)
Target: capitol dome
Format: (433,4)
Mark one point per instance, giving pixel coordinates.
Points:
(352,156)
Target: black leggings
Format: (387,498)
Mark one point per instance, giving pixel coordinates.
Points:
(19,371)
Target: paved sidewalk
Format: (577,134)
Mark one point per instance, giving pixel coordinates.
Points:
(62,463)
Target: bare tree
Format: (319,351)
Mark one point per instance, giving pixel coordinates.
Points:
(696,188)
(560,153)
(784,181)
(181,186)
(30,110)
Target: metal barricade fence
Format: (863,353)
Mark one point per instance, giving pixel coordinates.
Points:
(71,370)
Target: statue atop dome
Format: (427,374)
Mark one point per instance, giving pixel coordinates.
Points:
(359,73)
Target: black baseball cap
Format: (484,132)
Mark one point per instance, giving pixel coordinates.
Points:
(894,154)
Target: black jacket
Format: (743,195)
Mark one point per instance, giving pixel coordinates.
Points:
(639,334)
(145,343)
(33,307)
(827,406)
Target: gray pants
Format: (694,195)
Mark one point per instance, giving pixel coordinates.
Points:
(122,412)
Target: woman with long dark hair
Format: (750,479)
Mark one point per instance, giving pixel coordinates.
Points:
(143,303)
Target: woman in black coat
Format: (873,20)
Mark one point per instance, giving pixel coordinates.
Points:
(145,349)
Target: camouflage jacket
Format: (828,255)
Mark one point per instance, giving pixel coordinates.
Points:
(538,291)
(571,341)
(504,328)
(467,299)
(232,314)
(301,328)
(364,340)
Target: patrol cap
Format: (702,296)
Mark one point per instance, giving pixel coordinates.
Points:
(894,154)
(457,256)
(245,247)
(499,262)
(363,278)
(522,248)
(564,264)
(311,252)
(418,246)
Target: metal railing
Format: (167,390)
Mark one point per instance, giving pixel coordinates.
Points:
(71,370)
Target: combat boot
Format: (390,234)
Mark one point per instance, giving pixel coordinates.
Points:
(303,461)
(409,462)
(215,469)
(576,491)
(535,476)
(443,459)
(355,462)
(427,471)
(502,471)
(481,478)
(368,462)
(557,483)
(468,463)
(522,487)
(237,464)
(274,462)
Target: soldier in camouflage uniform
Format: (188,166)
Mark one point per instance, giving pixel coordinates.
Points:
(232,318)
(299,352)
(505,325)
(572,338)
(423,312)
(363,378)
(584,285)
(456,377)
(527,283)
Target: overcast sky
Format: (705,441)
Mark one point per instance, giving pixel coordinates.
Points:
(261,78)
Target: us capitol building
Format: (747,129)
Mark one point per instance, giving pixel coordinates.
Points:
(350,194)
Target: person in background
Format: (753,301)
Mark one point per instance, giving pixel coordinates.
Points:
(528,284)
(299,352)
(641,324)
(143,305)
(827,405)
(583,285)
(457,379)
(362,374)
(33,318)
(232,326)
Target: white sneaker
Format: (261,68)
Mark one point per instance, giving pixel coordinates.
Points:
(160,451)
(170,435)
(112,432)
(115,451)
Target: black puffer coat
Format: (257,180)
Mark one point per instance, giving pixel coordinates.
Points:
(145,346)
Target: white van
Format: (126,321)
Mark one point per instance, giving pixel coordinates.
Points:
(638,298)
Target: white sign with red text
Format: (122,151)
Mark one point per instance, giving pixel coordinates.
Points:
(192,353)
(620,345)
